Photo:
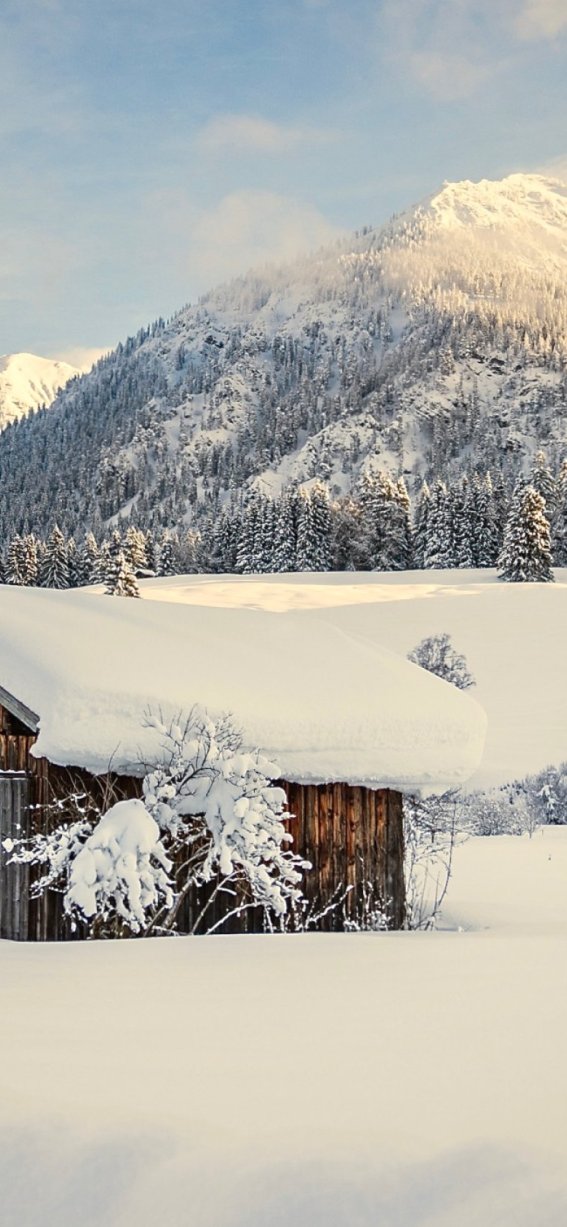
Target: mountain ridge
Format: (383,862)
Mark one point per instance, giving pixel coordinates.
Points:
(28,381)
(427,346)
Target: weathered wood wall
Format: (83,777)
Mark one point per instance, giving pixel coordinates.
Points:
(352,836)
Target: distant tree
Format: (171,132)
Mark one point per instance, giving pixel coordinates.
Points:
(54,567)
(559,525)
(121,580)
(438,656)
(542,480)
(526,551)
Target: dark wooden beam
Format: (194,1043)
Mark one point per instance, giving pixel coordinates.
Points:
(19,710)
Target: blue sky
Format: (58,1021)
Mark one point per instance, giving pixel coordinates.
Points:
(149,150)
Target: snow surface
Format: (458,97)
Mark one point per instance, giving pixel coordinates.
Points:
(27,382)
(512,635)
(325,702)
(349,1080)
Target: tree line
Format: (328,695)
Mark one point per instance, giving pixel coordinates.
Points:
(476,521)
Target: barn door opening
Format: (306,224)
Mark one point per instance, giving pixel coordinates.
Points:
(14,879)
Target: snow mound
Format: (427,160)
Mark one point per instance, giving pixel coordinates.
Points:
(324,702)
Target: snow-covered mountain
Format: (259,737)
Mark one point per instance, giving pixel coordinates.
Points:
(27,382)
(432,345)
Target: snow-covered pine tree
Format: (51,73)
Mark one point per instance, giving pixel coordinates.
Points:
(560,519)
(74,564)
(29,563)
(121,580)
(166,561)
(486,532)
(14,565)
(306,541)
(346,517)
(89,554)
(526,551)
(421,525)
(285,535)
(54,568)
(438,529)
(462,526)
(134,549)
(542,480)
(321,516)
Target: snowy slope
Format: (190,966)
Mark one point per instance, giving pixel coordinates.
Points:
(243,1081)
(26,382)
(321,702)
(425,346)
(513,636)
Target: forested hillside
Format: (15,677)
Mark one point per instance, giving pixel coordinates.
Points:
(432,348)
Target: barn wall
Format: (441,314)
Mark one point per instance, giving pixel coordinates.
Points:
(352,836)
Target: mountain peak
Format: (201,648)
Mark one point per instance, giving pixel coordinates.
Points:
(28,381)
(519,199)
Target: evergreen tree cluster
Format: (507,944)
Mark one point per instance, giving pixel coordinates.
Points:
(117,562)
(476,521)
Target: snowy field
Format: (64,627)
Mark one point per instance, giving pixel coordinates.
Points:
(353,1080)
(513,636)
(363,1080)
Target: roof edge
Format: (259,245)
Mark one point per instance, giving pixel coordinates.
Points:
(19,710)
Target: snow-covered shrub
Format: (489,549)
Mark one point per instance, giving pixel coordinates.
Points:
(437,655)
(121,871)
(111,868)
(430,828)
(210,818)
(368,912)
(216,802)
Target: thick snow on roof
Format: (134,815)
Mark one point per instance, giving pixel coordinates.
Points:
(325,703)
(512,635)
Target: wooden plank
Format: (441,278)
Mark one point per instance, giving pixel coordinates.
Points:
(19,709)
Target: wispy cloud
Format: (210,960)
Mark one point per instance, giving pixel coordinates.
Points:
(253,134)
(82,357)
(451,47)
(251,228)
(541,19)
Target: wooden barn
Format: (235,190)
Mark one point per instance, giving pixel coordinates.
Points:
(352,728)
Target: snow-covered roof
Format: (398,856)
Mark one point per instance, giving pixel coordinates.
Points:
(323,703)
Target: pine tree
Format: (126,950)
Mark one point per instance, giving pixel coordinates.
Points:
(526,552)
(89,556)
(321,516)
(542,480)
(14,568)
(560,519)
(438,530)
(421,525)
(462,525)
(306,541)
(166,562)
(285,537)
(29,560)
(121,580)
(54,568)
(134,549)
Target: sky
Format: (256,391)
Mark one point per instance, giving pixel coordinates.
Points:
(149,150)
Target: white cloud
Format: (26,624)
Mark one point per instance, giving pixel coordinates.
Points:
(447,75)
(541,19)
(251,228)
(252,134)
(82,357)
(450,47)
